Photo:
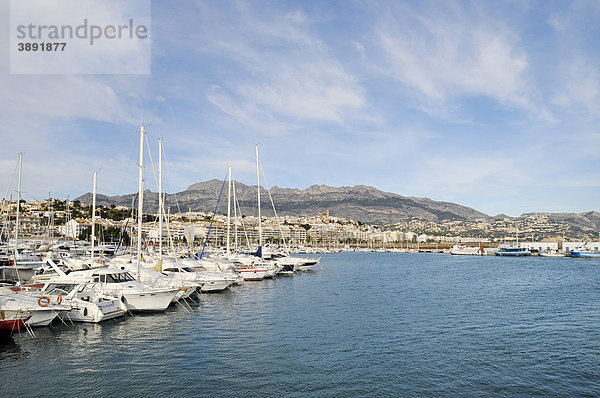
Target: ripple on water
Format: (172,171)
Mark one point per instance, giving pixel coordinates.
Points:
(369,324)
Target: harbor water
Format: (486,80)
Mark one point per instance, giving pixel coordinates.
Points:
(367,324)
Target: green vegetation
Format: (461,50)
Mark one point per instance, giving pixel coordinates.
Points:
(108,234)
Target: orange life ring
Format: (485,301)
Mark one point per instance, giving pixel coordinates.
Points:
(59,299)
(43,301)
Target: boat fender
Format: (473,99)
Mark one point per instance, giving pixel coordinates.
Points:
(43,301)
(123,299)
(59,299)
(85,312)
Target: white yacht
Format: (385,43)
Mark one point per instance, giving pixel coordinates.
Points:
(295,264)
(155,279)
(214,278)
(253,273)
(43,310)
(211,281)
(86,300)
(121,284)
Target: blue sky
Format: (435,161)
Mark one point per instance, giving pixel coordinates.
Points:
(490,104)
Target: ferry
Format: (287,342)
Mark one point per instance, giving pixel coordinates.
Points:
(512,251)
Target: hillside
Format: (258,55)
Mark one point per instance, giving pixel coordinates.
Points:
(360,203)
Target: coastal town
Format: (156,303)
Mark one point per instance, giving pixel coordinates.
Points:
(55,219)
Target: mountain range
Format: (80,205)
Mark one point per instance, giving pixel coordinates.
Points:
(360,203)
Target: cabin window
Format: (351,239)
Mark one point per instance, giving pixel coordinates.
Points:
(59,288)
(126,277)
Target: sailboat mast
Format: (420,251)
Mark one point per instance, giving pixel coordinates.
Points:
(130,249)
(160,199)
(140,200)
(228,210)
(258,196)
(18,208)
(235,220)
(93,216)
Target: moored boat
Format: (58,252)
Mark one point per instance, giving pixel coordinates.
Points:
(461,250)
(11,324)
(584,254)
(512,251)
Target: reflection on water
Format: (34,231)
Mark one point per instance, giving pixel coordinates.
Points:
(10,351)
(368,324)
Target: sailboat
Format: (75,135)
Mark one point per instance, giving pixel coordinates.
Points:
(147,275)
(258,269)
(19,266)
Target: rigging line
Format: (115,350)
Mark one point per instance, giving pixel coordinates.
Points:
(131,154)
(12,178)
(169,173)
(164,193)
(166,219)
(151,162)
(274,210)
(4,200)
(213,218)
(153,168)
(241,215)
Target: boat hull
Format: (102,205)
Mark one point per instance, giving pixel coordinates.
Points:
(513,254)
(97,312)
(8,327)
(253,274)
(148,301)
(215,285)
(585,254)
(42,317)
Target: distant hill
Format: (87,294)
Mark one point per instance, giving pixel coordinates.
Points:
(581,221)
(359,203)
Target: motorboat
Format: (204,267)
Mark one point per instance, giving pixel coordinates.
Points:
(551,253)
(11,323)
(155,278)
(121,284)
(86,300)
(461,250)
(42,310)
(254,272)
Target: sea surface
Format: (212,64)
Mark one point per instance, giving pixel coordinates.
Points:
(367,324)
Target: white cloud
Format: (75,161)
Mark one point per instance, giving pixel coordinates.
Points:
(69,97)
(469,171)
(288,74)
(248,113)
(578,87)
(558,22)
(319,90)
(448,53)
